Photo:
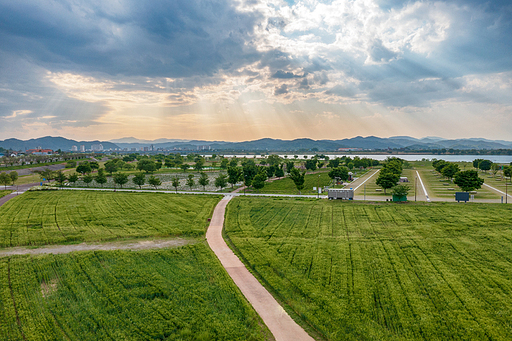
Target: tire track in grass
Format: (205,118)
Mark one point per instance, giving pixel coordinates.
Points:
(397,276)
(13,300)
(454,291)
(50,311)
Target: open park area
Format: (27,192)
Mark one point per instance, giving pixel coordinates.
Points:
(87,259)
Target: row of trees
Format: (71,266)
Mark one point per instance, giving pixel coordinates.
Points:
(6,179)
(467,180)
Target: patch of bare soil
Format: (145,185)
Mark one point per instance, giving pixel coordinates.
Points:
(121,245)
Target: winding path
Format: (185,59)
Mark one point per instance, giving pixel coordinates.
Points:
(273,315)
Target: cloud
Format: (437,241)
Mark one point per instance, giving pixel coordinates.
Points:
(282,90)
(130,37)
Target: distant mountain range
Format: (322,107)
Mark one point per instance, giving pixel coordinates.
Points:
(266,144)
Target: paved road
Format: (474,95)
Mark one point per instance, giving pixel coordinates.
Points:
(273,315)
(17,190)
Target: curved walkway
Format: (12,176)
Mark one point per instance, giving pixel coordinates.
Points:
(273,315)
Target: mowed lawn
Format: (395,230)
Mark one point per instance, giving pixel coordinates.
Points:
(382,271)
(56,217)
(167,294)
(3,193)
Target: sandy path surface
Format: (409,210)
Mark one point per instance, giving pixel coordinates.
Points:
(273,315)
(122,245)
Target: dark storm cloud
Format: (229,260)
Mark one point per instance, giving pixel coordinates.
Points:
(145,38)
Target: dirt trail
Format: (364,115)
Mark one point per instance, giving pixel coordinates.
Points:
(119,245)
(280,324)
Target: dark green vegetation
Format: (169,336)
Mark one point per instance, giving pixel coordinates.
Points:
(171,294)
(286,185)
(56,217)
(370,271)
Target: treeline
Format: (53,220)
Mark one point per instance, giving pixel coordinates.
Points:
(389,175)
(467,180)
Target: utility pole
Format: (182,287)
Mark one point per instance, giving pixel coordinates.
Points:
(415,182)
(318,188)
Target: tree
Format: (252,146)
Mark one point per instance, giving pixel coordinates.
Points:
(84,168)
(234,175)
(334,163)
(146,165)
(298,179)
(87,178)
(101,178)
(279,172)
(203,180)
(154,181)
(249,172)
(190,181)
(139,179)
(5,179)
(73,178)
(224,163)
(120,179)
(233,162)
(339,173)
(450,169)
(45,174)
(94,165)
(221,181)
(274,160)
(311,164)
(113,166)
(175,183)
(14,176)
(439,165)
(259,181)
(387,179)
(468,180)
(507,171)
(400,190)
(485,165)
(289,166)
(60,177)
(495,168)
(184,167)
(199,164)
(271,170)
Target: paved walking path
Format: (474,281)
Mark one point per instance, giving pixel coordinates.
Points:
(422,185)
(273,315)
(17,190)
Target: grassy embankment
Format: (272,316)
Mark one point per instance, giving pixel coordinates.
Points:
(57,217)
(382,271)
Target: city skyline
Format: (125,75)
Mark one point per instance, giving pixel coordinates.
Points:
(239,71)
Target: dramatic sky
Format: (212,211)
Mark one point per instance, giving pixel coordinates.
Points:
(242,70)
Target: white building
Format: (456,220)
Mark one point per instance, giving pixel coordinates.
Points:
(97,147)
(82,148)
(74,148)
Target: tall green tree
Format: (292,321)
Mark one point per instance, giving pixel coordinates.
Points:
(5,179)
(184,167)
(120,179)
(339,173)
(175,183)
(147,165)
(450,170)
(73,178)
(60,177)
(259,181)
(139,179)
(203,180)
(190,181)
(298,179)
(84,167)
(387,179)
(468,180)
(221,181)
(224,163)
(198,166)
(235,174)
(154,181)
(14,176)
(87,179)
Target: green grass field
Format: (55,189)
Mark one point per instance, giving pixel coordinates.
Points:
(168,294)
(382,271)
(3,193)
(57,217)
